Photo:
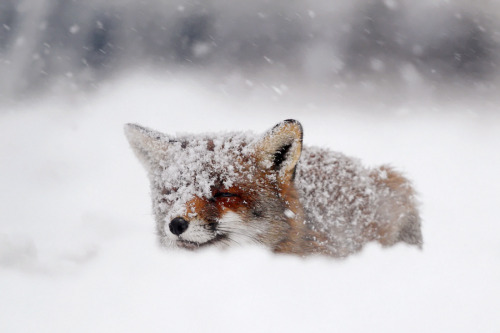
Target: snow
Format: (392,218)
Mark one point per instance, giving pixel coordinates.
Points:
(289,213)
(312,41)
(78,250)
(74,29)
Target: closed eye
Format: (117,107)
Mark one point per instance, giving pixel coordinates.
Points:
(224,195)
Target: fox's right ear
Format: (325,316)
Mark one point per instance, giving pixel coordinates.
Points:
(148,145)
(279,149)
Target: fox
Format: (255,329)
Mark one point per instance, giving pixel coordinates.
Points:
(225,189)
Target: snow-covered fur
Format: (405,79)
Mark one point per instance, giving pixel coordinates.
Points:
(233,188)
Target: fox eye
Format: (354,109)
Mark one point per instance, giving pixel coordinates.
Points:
(224,195)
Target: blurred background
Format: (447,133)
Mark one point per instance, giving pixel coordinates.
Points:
(413,84)
(413,49)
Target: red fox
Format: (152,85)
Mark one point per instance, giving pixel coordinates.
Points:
(234,188)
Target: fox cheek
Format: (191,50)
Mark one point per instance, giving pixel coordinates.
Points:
(209,214)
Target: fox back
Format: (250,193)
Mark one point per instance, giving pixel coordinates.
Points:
(234,188)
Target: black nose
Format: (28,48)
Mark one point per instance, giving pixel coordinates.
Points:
(178,225)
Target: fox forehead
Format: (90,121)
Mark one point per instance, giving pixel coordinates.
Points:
(193,165)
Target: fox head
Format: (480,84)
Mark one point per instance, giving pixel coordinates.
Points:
(220,189)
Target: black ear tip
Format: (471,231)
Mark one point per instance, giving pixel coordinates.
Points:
(289,121)
(293,122)
(129,127)
(132,130)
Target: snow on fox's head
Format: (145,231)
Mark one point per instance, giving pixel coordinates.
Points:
(219,188)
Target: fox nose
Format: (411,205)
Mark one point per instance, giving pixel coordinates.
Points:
(178,225)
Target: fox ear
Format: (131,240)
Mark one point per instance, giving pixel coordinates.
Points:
(148,145)
(279,149)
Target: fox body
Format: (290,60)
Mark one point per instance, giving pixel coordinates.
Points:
(234,188)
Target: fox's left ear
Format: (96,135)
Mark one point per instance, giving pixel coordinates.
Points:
(148,145)
(279,149)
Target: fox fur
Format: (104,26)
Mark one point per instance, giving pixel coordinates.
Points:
(234,188)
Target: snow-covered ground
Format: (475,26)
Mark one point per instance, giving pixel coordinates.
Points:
(78,251)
